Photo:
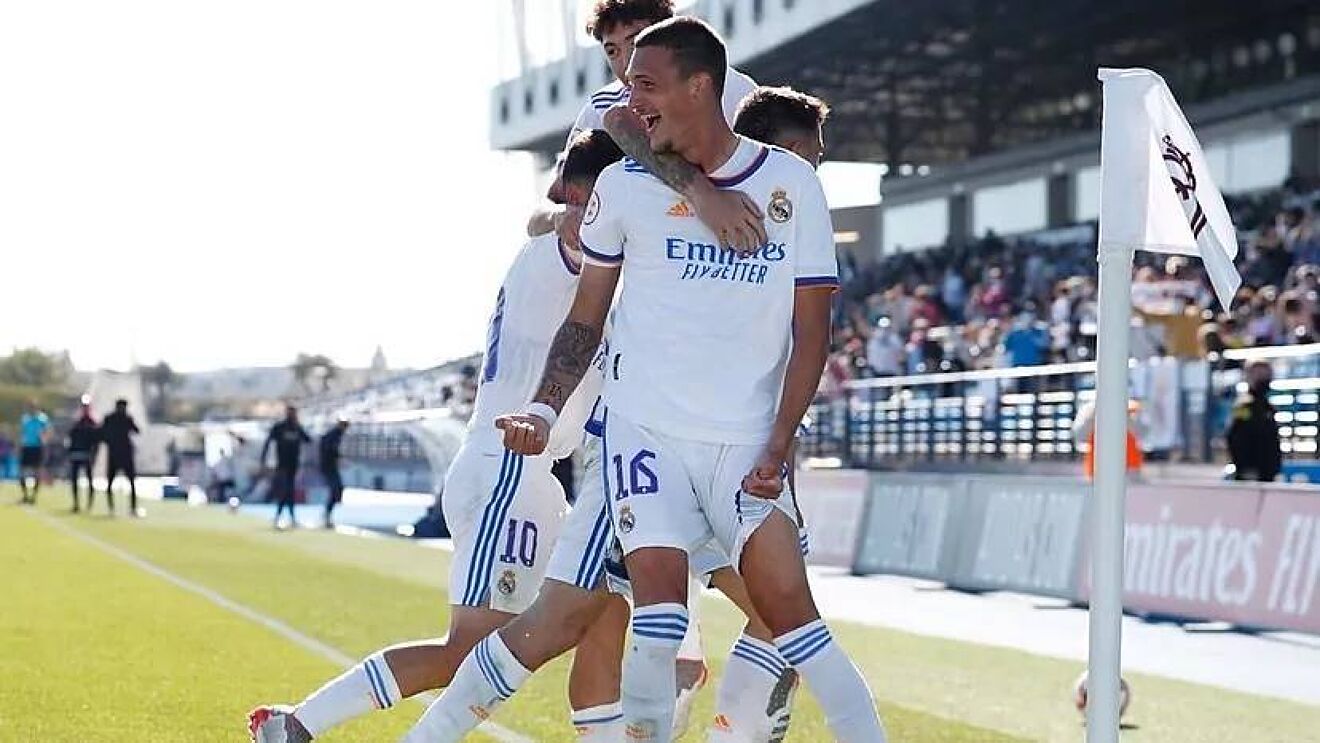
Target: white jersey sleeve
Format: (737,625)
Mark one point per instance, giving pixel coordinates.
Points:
(816,263)
(587,119)
(737,86)
(602,224)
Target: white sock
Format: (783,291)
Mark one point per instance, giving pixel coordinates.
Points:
(368,686)
(488,676)
(648,672)
(602,724)
(836,683)
(751,674)
(691,647)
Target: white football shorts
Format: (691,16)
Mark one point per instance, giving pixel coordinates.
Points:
(504,512)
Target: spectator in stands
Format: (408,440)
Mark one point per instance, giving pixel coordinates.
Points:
(287,437)
(884,350)
(953,293)
(81,443)
(34,429)
(117,432)
(1027,342)
(1253,435)
(329,462)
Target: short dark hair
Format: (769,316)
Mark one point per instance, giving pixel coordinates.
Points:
(606,14)
(695,46)
(588,154)
(766,113)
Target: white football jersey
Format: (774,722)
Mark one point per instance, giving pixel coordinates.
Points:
(533,302)
(700,336)
(736,87)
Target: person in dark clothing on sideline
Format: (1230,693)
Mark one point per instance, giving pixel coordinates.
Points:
(288,437)
(330,444)
(117,431)
(83,438)
(1253,436)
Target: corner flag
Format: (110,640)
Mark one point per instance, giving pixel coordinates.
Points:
(1156,192)
(1156,195)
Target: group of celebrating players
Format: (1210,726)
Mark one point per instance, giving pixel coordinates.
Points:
(691,194)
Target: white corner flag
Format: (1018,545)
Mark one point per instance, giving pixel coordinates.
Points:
(1156,195)
(1156,192)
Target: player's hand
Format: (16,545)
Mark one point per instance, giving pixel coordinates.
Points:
(523,433)
(766,479)
(734,218)
(568,223)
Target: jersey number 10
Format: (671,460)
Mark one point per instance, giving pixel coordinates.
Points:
(523,539)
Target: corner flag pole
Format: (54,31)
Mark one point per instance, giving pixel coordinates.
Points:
(1106,503)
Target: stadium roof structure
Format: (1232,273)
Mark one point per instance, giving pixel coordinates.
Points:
(942,81)
(935,82)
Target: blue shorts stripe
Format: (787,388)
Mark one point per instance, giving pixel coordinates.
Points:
(497,509)
(488,555)
(483,532)
(589,568)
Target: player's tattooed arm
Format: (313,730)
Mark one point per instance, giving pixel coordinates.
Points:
(731,215)
(574,346)
(570,356)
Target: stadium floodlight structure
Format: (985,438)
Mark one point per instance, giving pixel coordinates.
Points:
(1156,195)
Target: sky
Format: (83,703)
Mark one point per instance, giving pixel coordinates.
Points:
(230,184)
(222,184)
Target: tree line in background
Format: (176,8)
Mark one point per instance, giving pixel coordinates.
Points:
(50,379)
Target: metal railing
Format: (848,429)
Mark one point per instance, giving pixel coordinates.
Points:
(1027,414)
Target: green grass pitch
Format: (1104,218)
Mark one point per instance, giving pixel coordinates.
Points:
(94,649)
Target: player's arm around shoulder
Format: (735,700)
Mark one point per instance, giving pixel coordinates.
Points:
(730,214)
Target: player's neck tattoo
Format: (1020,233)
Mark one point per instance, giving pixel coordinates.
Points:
(570,355)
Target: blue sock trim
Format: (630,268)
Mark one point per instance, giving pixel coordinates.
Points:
(803,647)
(491,671)
(377,685)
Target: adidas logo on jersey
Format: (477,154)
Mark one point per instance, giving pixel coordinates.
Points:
(681,209)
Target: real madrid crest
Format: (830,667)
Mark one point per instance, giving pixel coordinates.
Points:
(626,520)
(593,209)
(780,208)
(508,583)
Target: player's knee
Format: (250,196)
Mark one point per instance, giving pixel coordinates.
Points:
(658,575)
(783,602)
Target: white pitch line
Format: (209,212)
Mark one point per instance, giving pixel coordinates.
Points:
(332,654)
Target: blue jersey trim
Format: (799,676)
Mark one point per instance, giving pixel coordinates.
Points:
(563,255)
(745,174)
(602,257)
